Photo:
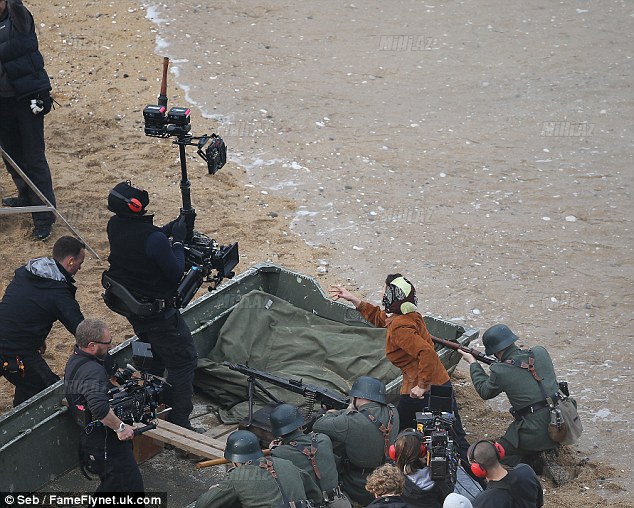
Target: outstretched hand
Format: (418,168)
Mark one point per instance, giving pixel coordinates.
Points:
(337,291)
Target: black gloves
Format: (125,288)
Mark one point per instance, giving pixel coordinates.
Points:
(41,104)
(179,230)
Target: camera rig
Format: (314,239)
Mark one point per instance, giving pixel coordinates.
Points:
(136,398)
(203,255)
(436,427)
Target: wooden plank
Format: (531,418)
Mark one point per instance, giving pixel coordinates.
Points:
(191,435)
(184,443)
(221,431)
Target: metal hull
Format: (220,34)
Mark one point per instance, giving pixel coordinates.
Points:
(38,439)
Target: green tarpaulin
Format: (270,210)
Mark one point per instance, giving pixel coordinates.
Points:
(272,335)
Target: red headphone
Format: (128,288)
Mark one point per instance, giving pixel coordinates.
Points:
(134,204)
(423,449)
(478,469)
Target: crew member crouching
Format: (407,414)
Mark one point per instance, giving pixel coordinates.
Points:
(105,441)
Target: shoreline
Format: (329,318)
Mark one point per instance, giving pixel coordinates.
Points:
(105,68)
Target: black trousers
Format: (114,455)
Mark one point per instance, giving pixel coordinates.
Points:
(22,137)
(112,460)
(37,376)
(173,349)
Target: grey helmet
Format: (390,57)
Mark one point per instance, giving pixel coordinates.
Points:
(496,338)
(242,446)
(370,388)
(285,418)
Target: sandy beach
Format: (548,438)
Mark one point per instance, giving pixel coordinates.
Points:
(319,152)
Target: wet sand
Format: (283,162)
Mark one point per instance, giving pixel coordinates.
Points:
(480,148)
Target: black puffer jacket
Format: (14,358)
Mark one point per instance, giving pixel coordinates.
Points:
(41,293)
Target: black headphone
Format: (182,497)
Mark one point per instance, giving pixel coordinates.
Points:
(478,469)
(134,204)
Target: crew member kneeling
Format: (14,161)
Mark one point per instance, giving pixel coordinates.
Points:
(105,441)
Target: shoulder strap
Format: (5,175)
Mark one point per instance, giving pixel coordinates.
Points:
(310,453)
(385,430)
(530,366)
(267,465)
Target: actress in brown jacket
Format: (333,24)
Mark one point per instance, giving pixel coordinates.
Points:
(409,347)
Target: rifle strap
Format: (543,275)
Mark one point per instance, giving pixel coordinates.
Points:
(384,429)
(310,453)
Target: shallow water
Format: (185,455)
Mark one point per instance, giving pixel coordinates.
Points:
(482,149)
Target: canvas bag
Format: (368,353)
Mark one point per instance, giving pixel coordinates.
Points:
(565,424)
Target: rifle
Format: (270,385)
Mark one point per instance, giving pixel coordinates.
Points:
(479,355)
(328,398)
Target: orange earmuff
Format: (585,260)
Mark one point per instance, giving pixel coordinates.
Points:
(423,449)
(478,469)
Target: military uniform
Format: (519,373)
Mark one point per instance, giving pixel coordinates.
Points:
(528,434)
(298,448)
(252,486)
(359,443)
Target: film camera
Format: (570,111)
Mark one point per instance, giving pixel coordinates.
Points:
(137,396)
(203,255)
(436,425)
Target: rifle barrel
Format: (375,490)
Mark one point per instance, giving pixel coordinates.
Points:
(478,355)
(324,395)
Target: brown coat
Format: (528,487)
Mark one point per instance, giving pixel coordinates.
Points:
(408,346)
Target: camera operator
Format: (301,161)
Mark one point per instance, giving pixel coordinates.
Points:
(105,441)
(146,264)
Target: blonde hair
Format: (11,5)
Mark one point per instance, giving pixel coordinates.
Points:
(386,479)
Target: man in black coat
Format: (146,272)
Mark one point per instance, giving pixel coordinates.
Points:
(24,100)
(149,266)
(518,487)
(41,293)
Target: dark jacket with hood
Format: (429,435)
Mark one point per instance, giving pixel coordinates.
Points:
(41,293)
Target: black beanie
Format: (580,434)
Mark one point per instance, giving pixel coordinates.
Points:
(124,200)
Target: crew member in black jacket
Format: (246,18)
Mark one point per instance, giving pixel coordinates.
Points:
(106,446)
(41,293)
(24,100)
(149,266)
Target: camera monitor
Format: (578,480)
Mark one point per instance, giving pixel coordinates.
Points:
(142,355)
(440,399)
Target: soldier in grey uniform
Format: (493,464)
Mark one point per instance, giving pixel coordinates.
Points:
(528,434)
(256,481)
(310,452)
(361,435)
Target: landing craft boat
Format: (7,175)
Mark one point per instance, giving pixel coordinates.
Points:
(39,440)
